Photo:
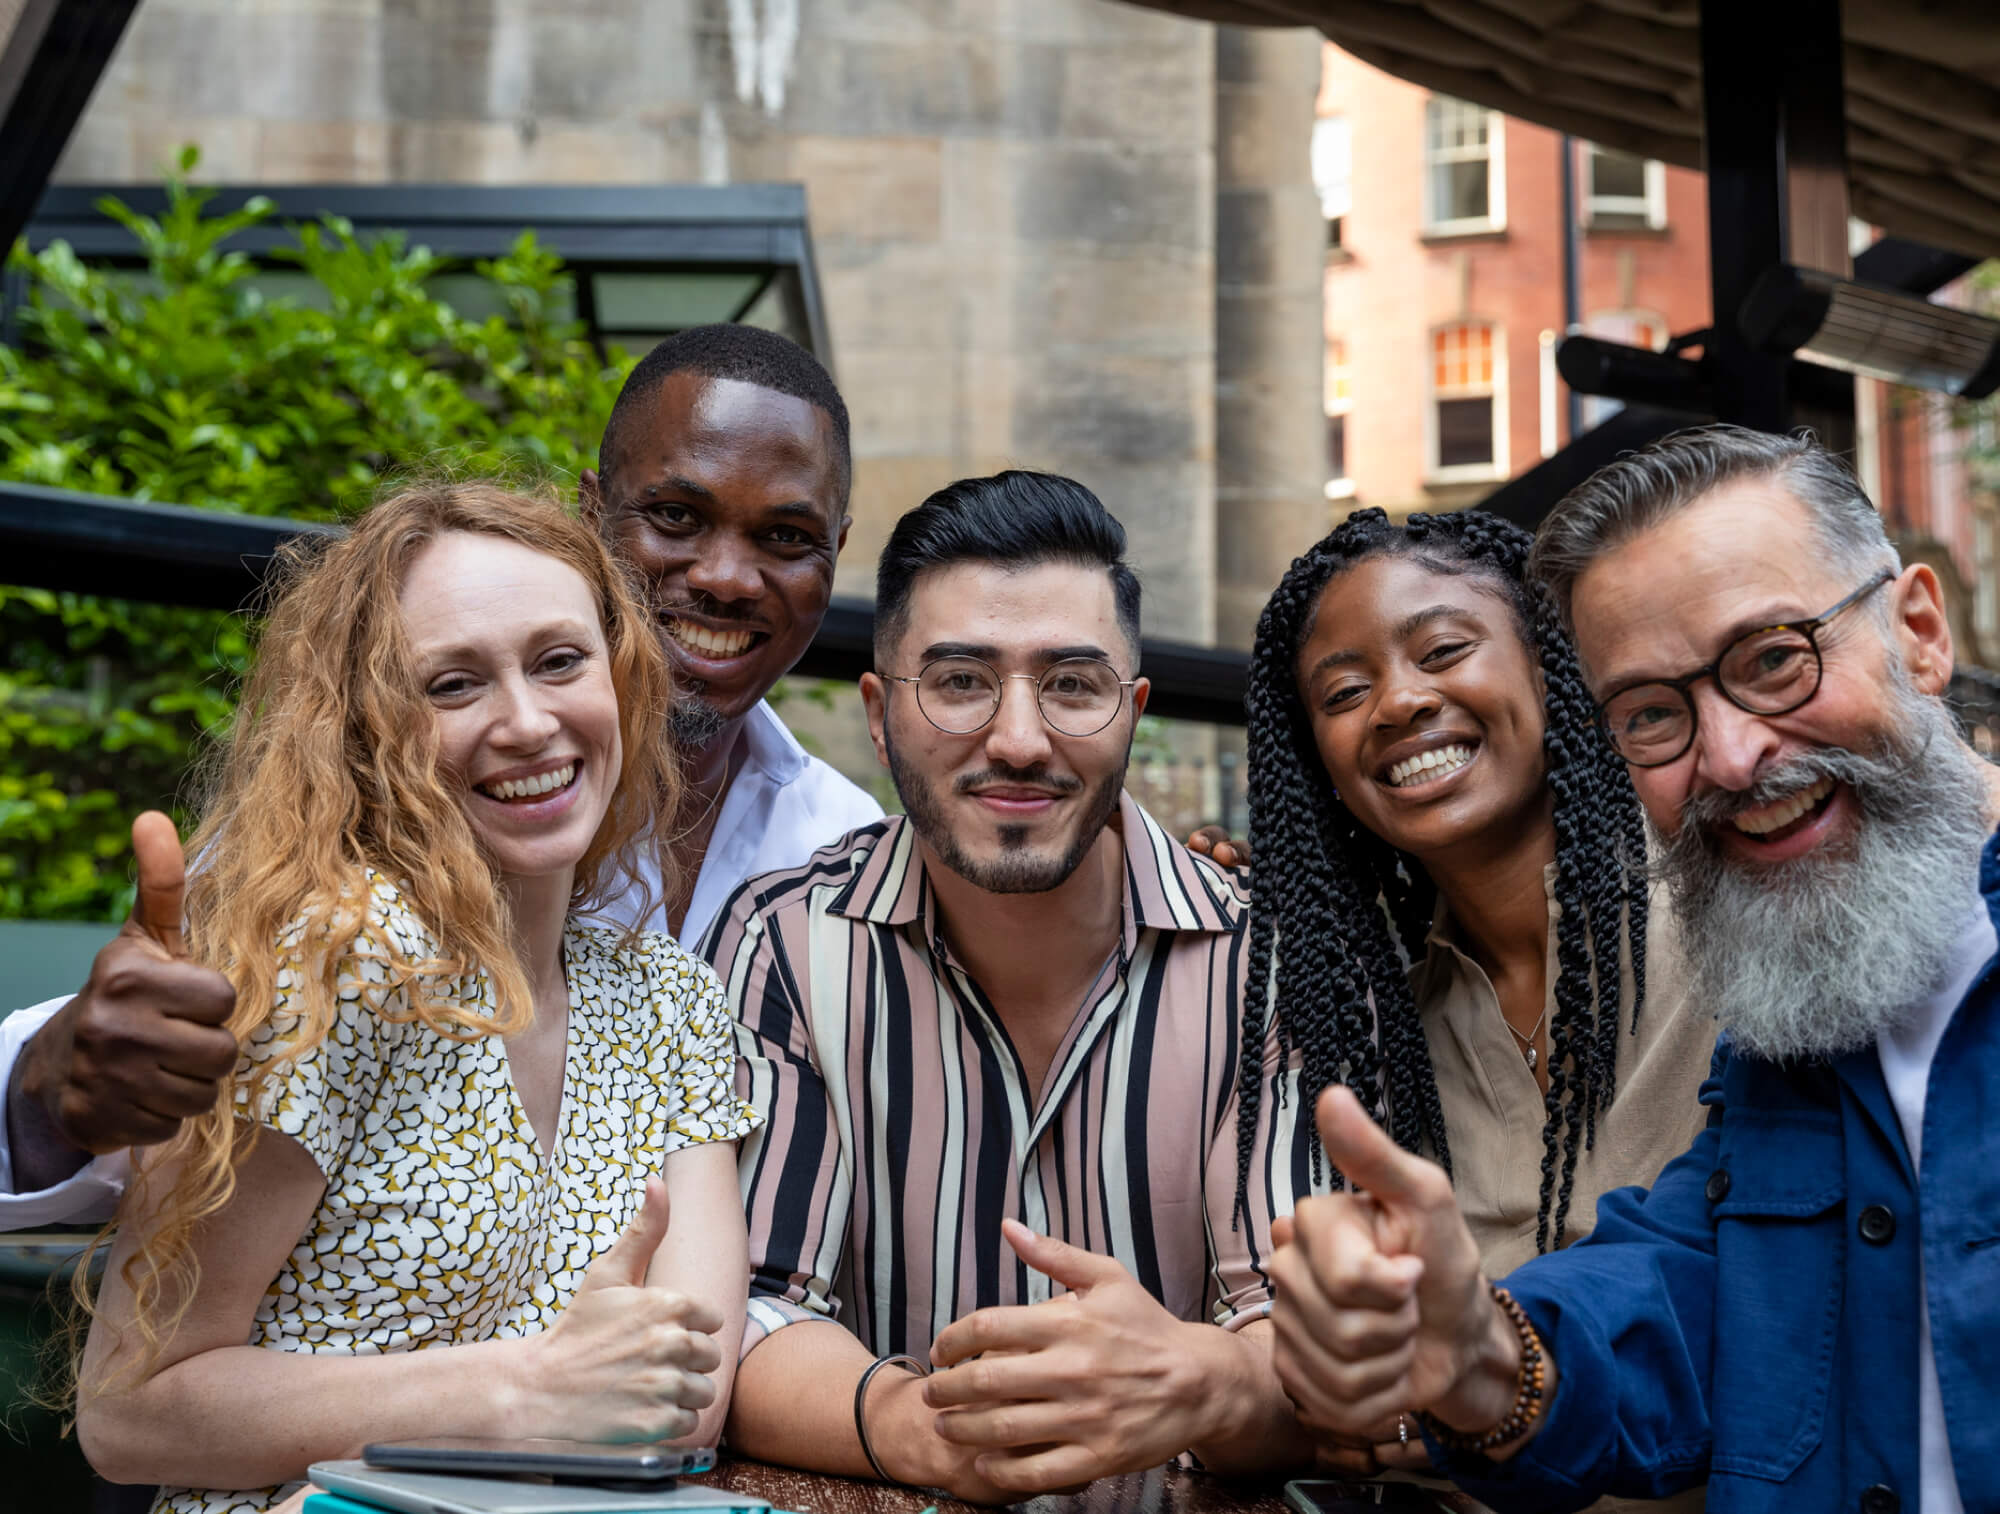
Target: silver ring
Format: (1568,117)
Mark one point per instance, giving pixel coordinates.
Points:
(1402,1429)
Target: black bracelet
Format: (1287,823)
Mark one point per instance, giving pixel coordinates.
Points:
(1529,1381)
(861,1398)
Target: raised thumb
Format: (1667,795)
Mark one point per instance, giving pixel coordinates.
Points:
(1362,1150)
(156,846)
(625,1264)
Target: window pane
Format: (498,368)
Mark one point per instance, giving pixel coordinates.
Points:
(1331,165)
(1336,446)
(1460,190)
(669,301)
(1465,432)
(1617,175)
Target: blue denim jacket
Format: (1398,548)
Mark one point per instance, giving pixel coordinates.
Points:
(1753,1318)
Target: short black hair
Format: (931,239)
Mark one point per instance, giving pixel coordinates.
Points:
(748,354)
(1014,519)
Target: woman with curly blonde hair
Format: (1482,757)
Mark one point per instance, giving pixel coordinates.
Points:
(435,1200)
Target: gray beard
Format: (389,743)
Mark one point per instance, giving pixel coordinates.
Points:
(692,722)
(1815,956)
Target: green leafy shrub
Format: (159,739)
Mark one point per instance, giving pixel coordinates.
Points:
(187,385)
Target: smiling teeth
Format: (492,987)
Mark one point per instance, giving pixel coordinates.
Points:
(1781,812)
(1427,765)
(528,788)
(715,643)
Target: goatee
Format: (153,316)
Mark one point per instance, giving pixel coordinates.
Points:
(1813,957)
(692,722)
(1019,869)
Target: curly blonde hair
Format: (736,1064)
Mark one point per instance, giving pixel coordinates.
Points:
(333,770)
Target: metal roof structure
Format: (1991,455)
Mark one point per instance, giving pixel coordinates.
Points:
(1922,83)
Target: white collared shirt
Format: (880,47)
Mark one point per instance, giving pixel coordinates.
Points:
(1906,1054)
(783,805)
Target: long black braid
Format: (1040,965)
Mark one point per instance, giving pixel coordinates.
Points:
(1351,912)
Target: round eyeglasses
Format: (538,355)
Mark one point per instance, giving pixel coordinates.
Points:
(1078,696)
(1770,671)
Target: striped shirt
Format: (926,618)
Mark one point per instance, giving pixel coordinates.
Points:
(901,1131)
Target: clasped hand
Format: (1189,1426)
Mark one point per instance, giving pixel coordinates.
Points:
(1381,1308)
(1096,1381)
(623,1361)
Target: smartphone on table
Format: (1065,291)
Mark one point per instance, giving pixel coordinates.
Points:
(639,1463)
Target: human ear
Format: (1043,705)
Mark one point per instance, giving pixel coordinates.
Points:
(1920,630)
(875,699)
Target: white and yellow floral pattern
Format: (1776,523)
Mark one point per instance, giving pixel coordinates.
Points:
(442,1223)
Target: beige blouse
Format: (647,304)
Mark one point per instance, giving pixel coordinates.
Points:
(1493,1111)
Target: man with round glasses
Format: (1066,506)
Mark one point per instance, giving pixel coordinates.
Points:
(1803,1309)
(995,1038)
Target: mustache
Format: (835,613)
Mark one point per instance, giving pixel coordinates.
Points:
(710,608)
(1038,777)
(1860,771)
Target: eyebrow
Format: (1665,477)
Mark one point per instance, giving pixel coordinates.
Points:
(554,630)
(1405,628)
(986,653)
(675,483)
(1743,625)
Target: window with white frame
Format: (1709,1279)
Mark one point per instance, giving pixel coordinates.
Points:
(1463,167)
(1623,192)
(1333,170)
(1634,328)
(1339,401)
(1467,423)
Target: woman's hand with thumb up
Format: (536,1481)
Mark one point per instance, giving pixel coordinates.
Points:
(624,1361)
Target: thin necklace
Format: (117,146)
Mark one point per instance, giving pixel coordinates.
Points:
(1527,1041)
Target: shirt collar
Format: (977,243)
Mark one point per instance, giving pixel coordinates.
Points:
(770,748)
(1167,887)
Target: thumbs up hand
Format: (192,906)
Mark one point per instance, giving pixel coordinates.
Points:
(623,1361)
(1381,1307)
(142,1046)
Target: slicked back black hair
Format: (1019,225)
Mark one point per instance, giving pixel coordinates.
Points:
(1347,913)
(1014,519)
(748,354)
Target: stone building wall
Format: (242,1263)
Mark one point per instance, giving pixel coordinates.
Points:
(1013,201)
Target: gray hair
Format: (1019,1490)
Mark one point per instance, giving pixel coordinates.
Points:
(1644,488)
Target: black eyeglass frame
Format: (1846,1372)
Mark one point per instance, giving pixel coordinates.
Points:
(1684,686)
(1037,679)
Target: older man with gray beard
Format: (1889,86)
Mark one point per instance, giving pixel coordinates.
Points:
(1805,1308)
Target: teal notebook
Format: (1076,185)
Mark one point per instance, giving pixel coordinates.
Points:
(333,1503)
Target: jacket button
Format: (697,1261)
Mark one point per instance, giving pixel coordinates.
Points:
(1878,1228)
(1717,1188)
(1881,1498)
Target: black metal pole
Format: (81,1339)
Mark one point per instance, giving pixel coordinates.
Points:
(1743,147)
(1572,272)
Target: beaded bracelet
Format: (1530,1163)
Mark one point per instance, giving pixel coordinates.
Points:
(1529,1381)
(908,1363)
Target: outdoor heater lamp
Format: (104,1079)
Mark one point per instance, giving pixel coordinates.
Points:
(1875,332)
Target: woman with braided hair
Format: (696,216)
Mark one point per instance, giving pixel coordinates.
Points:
(1449,899)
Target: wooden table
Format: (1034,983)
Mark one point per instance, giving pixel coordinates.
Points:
(1164,1490)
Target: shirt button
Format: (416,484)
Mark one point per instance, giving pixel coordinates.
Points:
(1878,1228)
(1717,1187)
(1881,1498)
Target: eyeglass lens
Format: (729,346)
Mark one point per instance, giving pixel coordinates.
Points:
(1769,672)
(1078,696)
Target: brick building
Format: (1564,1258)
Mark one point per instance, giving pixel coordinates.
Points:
(1444,283)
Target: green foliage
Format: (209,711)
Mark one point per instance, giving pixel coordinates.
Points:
(188,384)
